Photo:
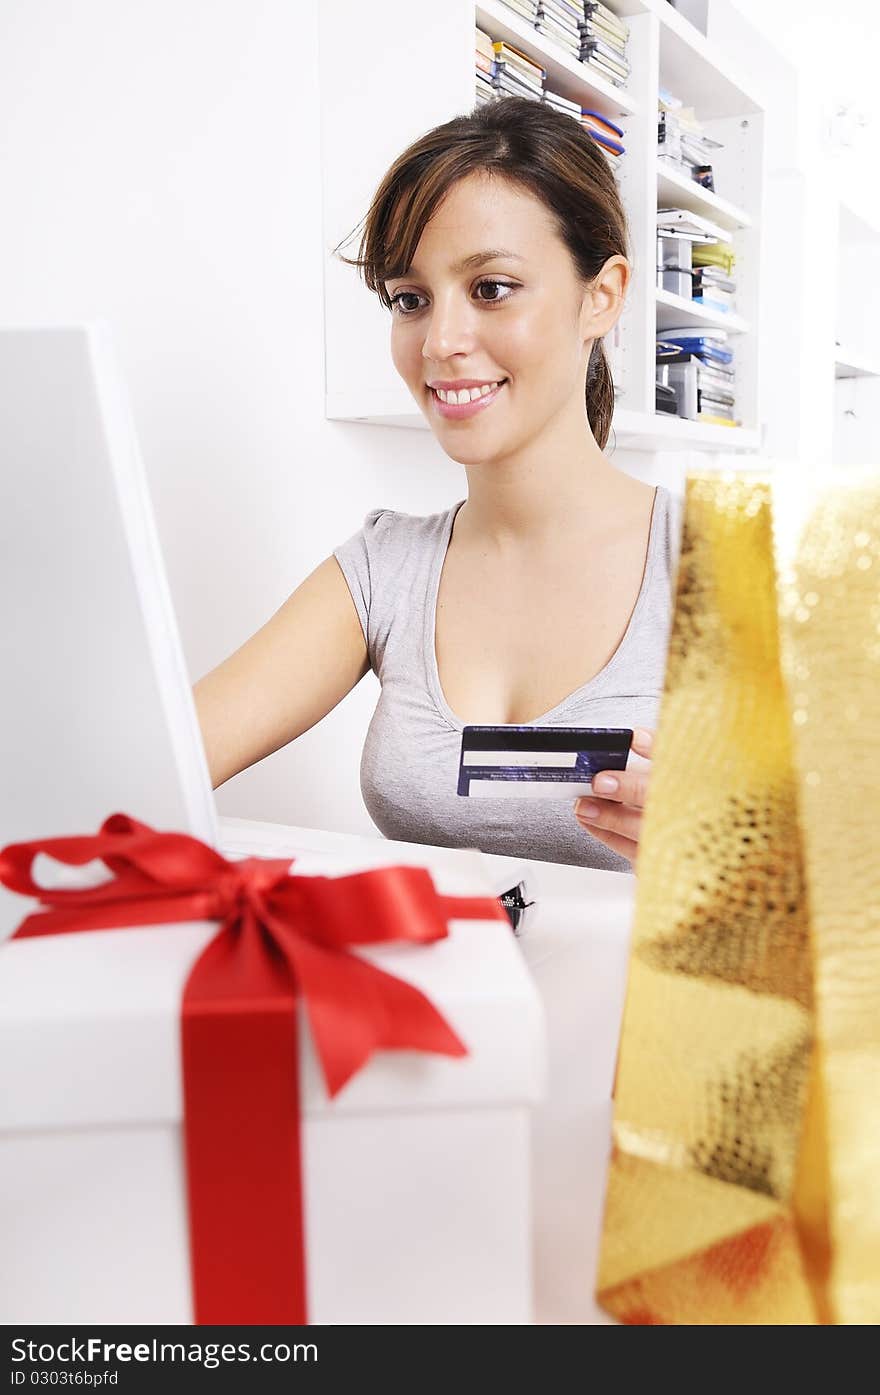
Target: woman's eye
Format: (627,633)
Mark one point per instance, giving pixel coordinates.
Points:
(399,306)
(498,285)
(397,302)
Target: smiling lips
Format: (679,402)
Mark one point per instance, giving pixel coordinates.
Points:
(467,400)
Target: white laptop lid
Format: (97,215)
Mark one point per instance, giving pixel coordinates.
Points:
(96,708)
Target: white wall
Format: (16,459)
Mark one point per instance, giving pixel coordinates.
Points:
(835,49)
(160,168)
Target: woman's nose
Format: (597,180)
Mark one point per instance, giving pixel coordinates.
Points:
(449,330)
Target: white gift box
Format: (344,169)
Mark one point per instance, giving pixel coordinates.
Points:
(416,1176)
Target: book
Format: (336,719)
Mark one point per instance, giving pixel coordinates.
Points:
(716,384)
(571,10)
(721,387)
(598,65)
(673,335)
(712,299)
(606,141)
(668,99)
(602,123)
(483,42)
(562,103)
(614,55)
(515,58)
(712,420)
(516,87)
(720,254)
(599,31)
(685,219)
(593,10)
(564,16)
(695,393)
(526,8)
(484,64)
(505,52)
(715,276)
(709,350)
(714,353)
(671,352)
(561,36)
(619,66)
(525,80)
(724,374)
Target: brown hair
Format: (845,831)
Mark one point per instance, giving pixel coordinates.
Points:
(546,151)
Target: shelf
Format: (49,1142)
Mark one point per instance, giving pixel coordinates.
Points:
(565,74)
(361,385)
(676,190)
(656,431)
(630,430)
(855,365)
(674,310)
(694,69)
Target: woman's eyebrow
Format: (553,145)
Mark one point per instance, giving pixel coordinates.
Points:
(479,258)
(468,263)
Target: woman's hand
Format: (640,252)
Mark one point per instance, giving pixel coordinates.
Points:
(617,819)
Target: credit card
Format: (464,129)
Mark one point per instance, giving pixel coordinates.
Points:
(523,762)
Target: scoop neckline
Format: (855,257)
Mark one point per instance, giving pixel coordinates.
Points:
(597,681)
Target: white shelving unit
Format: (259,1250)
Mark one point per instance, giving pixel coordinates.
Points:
(856,360)
(674,189)
(676,310)
(382,87)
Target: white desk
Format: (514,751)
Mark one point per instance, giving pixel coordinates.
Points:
(576,945)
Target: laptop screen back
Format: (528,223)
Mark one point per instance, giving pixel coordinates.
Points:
(96,707)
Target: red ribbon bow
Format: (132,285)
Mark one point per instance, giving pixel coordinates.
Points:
(281,939)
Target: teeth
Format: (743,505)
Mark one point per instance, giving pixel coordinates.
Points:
(465,394)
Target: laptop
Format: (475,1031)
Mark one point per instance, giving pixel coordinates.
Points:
(97,714)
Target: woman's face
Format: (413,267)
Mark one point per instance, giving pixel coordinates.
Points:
(519,318)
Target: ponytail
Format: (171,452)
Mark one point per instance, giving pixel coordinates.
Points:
(599,394)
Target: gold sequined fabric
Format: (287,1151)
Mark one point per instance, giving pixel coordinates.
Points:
(742,1185)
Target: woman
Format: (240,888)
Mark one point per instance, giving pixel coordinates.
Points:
(499,244)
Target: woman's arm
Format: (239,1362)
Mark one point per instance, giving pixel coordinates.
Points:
(285,678)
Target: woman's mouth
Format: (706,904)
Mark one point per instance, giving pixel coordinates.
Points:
(477,401)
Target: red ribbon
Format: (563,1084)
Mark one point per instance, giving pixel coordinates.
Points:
(281,939)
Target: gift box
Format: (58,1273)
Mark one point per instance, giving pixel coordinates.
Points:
(416,1175)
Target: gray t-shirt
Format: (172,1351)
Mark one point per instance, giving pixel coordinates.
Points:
(409,767)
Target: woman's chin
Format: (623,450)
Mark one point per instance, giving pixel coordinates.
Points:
(460,453)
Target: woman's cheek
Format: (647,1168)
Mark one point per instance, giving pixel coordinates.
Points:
(522,342)
(397,356)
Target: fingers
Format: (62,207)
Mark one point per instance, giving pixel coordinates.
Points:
(627,847)
(643,740)
(608,817)
(623,786)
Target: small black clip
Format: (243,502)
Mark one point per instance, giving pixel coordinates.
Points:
(515,905)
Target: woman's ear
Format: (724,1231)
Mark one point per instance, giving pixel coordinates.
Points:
(604,301)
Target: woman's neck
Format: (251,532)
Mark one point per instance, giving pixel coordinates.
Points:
(547,494)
